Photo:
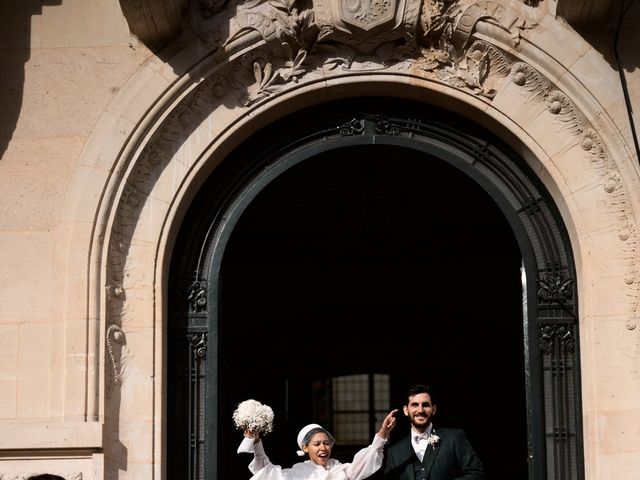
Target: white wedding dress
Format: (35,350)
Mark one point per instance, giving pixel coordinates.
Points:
(364,464)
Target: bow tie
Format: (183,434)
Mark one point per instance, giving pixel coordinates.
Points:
(422,436)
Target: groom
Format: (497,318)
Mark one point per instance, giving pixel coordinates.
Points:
(430,453)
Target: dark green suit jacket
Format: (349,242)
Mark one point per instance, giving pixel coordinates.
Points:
(453,457)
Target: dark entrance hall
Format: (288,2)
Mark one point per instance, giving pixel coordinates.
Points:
(375,259)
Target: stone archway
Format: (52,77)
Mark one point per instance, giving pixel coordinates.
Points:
(151,153)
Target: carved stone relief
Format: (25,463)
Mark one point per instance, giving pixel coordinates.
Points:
(365,24)
(115,341)
(332,37)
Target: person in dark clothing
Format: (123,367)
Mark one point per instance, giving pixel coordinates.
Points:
(430,453)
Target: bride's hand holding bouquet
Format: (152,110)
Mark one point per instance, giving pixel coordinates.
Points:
(254,419)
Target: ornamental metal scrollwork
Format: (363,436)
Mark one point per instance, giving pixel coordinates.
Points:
(555,287)
(198,344)
(385,127)
(557,335)
(352,127)
(197,297)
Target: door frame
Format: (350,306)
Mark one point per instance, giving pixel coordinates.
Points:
(549,285)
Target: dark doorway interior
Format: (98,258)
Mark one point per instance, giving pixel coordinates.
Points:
(374,259)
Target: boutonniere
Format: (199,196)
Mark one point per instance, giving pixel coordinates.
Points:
(433,439)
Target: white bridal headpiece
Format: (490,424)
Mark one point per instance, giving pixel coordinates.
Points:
(303,433)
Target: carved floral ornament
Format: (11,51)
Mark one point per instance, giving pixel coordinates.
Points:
(284,43)
(304,38)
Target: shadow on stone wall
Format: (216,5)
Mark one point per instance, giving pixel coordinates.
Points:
(627,60)
(157,23)
(628,36)
(15,45)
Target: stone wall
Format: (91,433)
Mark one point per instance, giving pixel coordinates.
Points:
(102,144)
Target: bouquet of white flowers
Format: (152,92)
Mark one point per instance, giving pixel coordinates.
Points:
(254,417)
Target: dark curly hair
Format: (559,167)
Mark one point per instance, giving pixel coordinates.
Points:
(417,389)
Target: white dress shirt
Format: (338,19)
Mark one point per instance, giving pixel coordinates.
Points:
(420,444)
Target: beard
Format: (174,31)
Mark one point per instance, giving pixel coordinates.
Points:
(421,421)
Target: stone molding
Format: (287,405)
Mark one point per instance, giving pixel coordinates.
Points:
(50,435)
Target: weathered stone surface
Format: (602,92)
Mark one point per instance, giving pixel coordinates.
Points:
(103,145)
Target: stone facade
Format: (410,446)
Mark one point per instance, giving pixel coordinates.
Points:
(105,137)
